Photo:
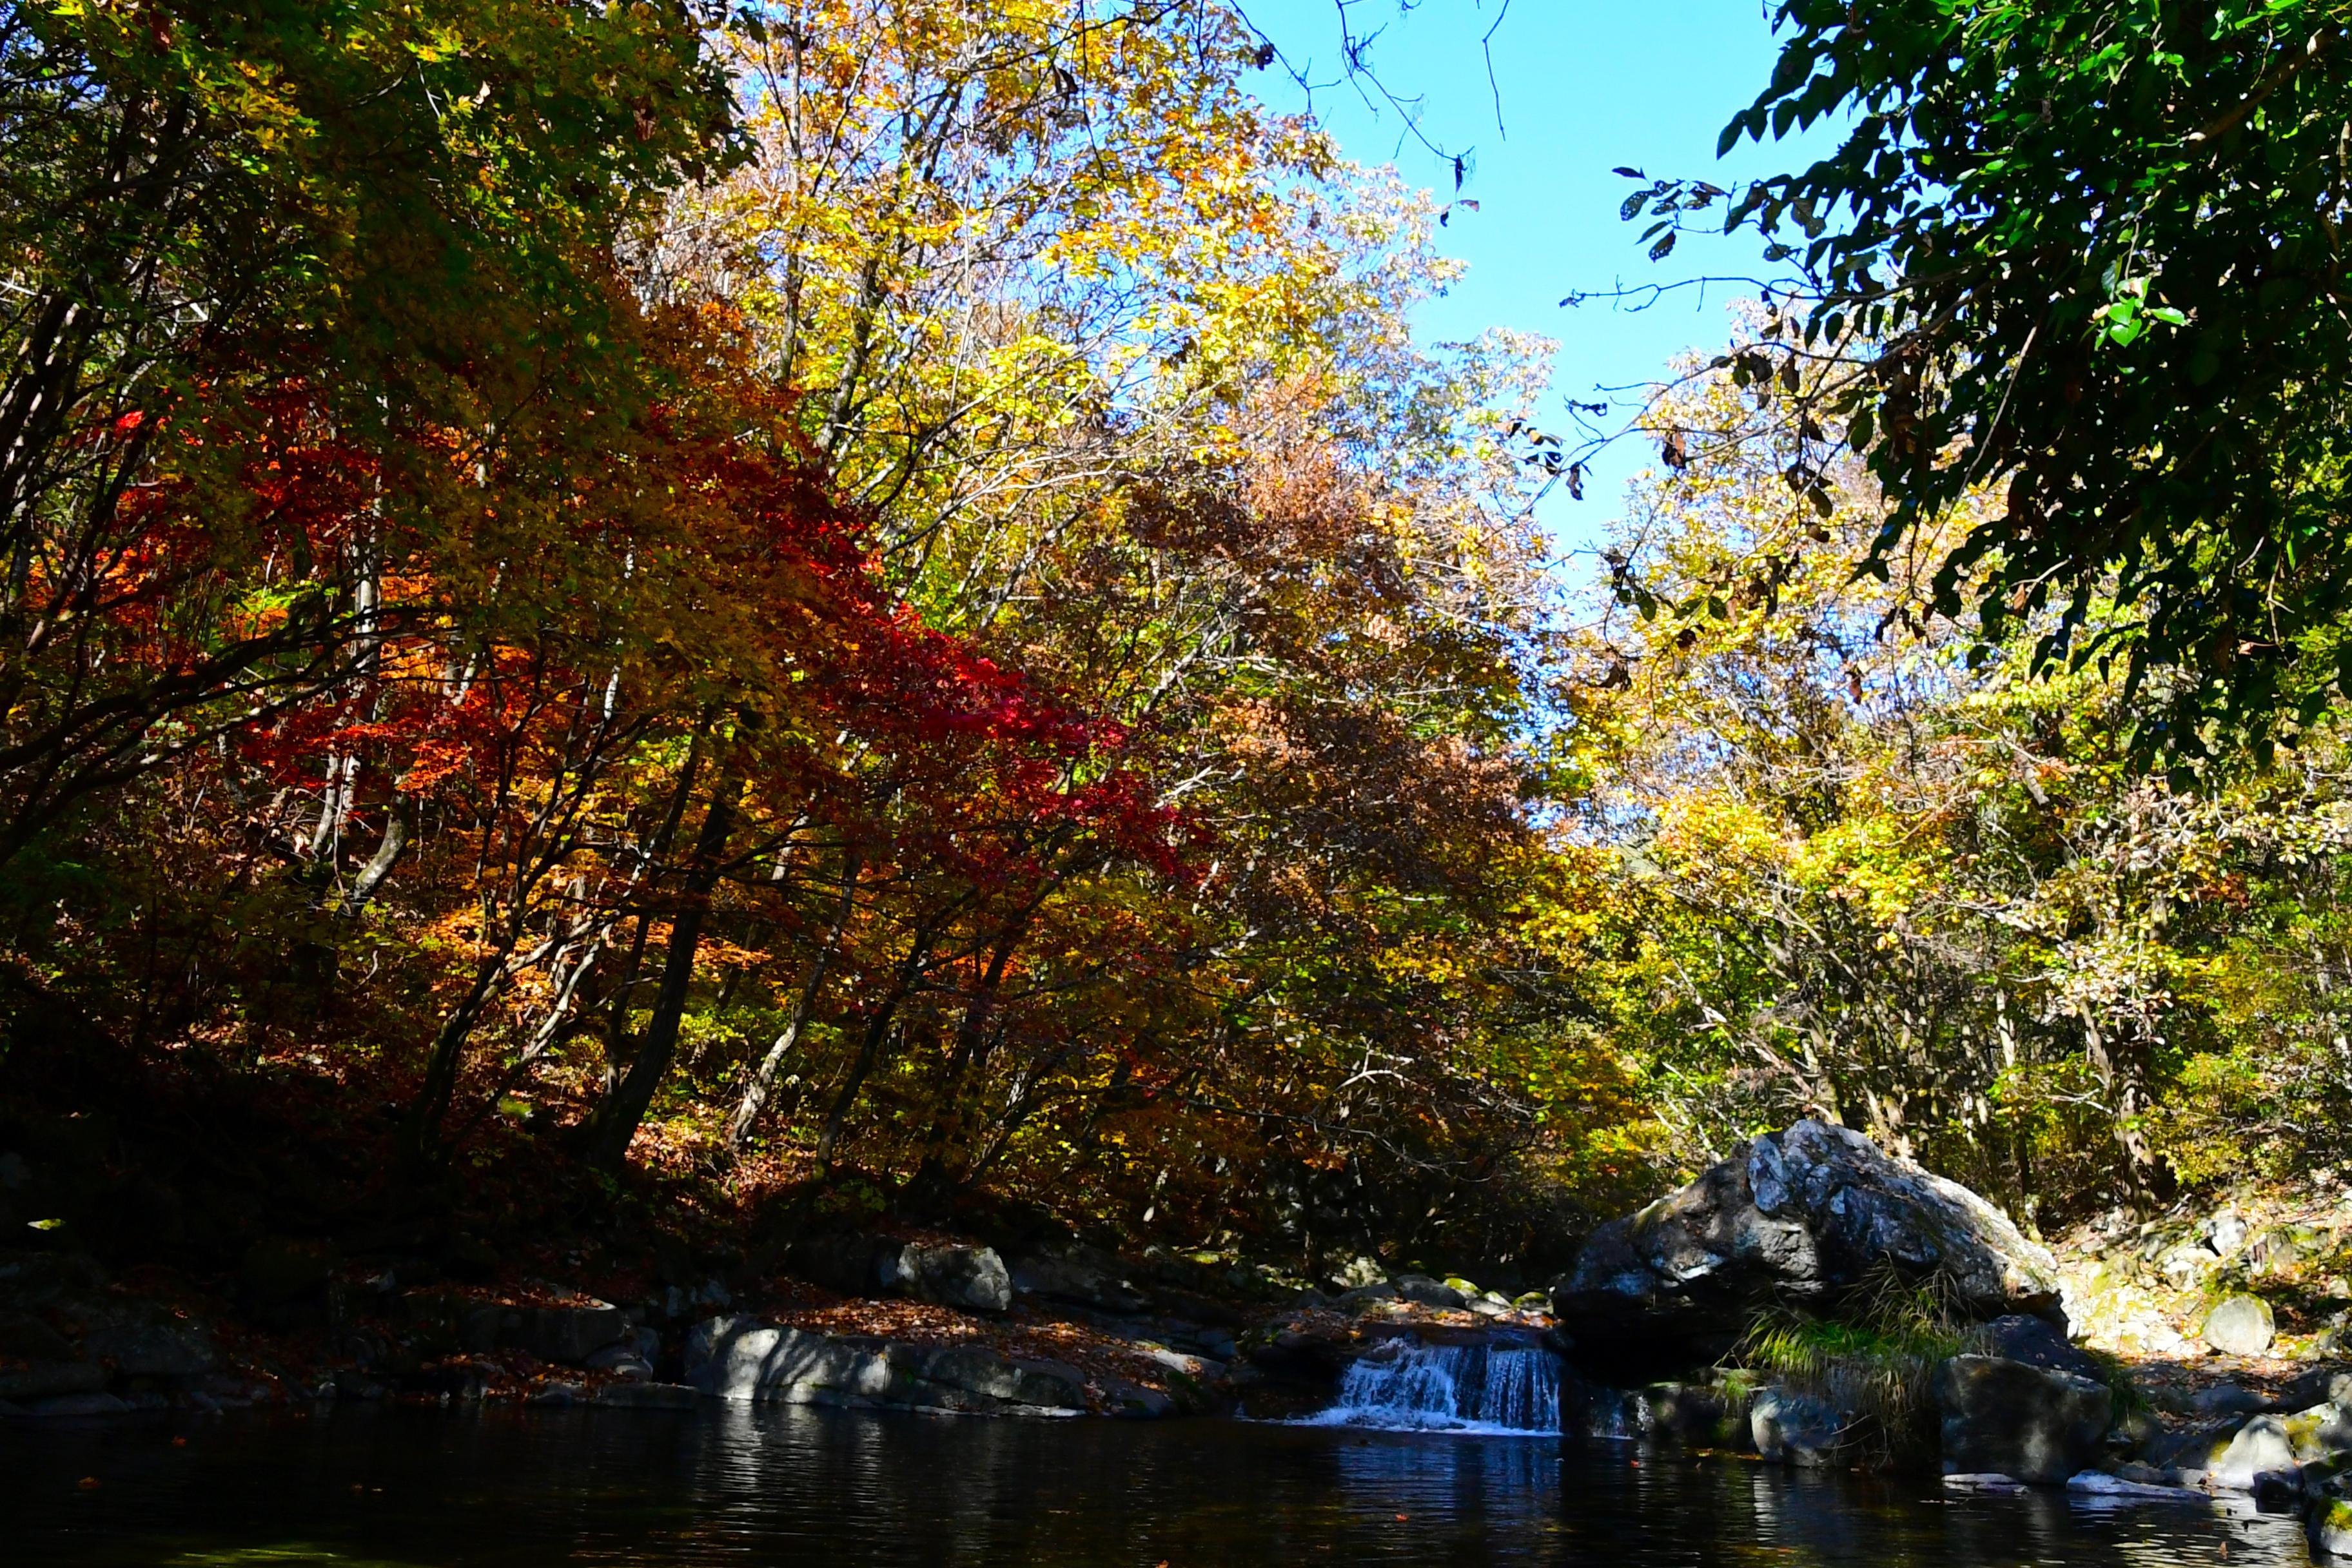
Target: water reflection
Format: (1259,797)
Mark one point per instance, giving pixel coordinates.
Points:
(743,1486)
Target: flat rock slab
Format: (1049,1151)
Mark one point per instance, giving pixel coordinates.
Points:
(649,1396)
(742,1358)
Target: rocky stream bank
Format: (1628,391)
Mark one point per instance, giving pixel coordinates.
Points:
(1809,1301)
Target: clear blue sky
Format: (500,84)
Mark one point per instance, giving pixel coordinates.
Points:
(1585,86)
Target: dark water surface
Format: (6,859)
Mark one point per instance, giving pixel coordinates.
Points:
(801,1486)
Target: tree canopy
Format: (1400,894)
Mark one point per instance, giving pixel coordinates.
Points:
(2089,253)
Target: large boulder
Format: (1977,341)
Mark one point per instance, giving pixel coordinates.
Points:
(972,1278)
(2315,1441)
(2030,1423)
(2241,1325)
(1796,1219)
(946,1274)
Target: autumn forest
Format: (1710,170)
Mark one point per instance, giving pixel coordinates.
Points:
(872,607)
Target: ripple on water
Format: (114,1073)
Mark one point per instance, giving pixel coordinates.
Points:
(739,1486)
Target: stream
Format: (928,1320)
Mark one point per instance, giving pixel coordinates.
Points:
(756,1485)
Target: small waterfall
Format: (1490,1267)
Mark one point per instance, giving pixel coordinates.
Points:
(1409,1386)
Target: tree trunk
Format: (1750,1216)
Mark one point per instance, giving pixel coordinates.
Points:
(763,1079)
(935,1180)
(611,1126)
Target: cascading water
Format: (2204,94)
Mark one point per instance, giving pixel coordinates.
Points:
(1409,1386)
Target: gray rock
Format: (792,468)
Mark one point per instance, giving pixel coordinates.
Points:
(1135,1401)
(42,1379)
(2260,1447)
(558,1394)
(159,1348)
(2192,1450)
(2241,1325)
(1795,1428)
(1423,1291)
(740,1358)
(2036,1342)
(2228,1399)
(2320,1385)
(1084,1275)
(572,1335)
(1716,1415)
(26,1338)
(649,1396)
(1796,1218)
(2034,1424)
(972,1278)
(623,1360)
(972,1370)
(77,1405)
(1365,1297)
(2184,1264)
(2327,1518)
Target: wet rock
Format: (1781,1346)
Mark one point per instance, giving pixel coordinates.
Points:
(44,1379)
(169,1348)
(1363,1298)
(2035,1424)
(1797,1218)
(2241,1325)
(1795,1428)
(1713,1415)
(558,1394)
